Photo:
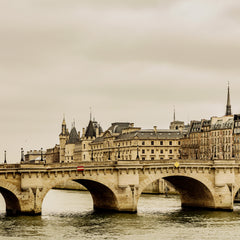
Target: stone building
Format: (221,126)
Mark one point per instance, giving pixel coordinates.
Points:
(236,137)
(83,150)
(52,154)
(73,140)
(63,137)
(126,142)
(216,138)
(35,156)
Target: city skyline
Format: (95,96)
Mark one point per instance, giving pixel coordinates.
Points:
(130,61)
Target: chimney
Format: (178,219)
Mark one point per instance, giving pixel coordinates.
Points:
(83,132)
(97,132)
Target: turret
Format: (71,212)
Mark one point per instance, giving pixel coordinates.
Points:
(64,127)
(63,137)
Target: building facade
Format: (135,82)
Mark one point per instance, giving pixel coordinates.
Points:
(216,138)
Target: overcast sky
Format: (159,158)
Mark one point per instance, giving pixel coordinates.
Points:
(130,60)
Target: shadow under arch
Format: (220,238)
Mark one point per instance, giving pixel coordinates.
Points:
(193,193)
(12,202)
(236,194)
(103,197)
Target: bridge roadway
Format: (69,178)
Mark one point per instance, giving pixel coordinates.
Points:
(117,185)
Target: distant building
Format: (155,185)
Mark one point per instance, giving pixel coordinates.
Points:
(214,138)
(35,156)
(217,138)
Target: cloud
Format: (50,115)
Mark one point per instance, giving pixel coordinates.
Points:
(130,60)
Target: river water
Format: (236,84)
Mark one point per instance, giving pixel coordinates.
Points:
(69,215)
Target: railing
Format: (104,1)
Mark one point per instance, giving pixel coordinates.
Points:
(115,164)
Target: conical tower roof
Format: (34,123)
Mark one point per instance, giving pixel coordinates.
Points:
(90,132)
(73,136)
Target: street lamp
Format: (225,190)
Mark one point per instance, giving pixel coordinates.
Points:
(41,155)
(5,157)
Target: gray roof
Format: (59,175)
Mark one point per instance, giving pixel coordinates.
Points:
(147,135)
(97,125)
(222,125)
(73,136)
(90,132)
(117,127)
(195,126)
(151,135)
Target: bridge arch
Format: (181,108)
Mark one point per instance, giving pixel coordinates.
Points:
(104,195)
(193,192)
(10,193)
(235,190)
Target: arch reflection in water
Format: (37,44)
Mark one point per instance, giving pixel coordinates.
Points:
(67,202)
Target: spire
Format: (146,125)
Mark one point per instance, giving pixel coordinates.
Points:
(73,123)
(63,122)
(64,126)
(228,106)
(90,114)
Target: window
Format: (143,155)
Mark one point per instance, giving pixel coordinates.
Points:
(152,143)
(143,151)
(179,143)
(143,143)
(152,158)
(83,146)
(170,142)
(161,151)
(143,158)
(152,151)
(170,151)
(161,142)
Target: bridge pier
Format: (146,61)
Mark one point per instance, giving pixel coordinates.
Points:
(222,200)
(30,202)
(121,198)
(127,198)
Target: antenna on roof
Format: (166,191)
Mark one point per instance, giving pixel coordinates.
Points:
(90,113)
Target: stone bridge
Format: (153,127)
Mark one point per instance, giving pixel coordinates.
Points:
(118,185)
